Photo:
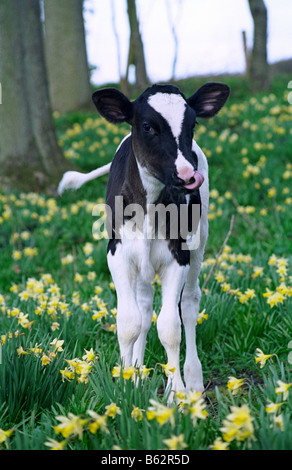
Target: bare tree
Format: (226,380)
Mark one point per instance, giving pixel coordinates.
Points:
(174,21)
(258,64)
(66,55)
(136,50)
(30,157)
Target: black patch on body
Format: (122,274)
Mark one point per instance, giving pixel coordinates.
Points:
(125,181)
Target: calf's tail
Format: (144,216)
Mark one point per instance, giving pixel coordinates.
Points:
(75,179)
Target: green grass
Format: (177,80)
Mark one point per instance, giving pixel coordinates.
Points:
(46,296)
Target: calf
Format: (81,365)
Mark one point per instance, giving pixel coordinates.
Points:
(159,163)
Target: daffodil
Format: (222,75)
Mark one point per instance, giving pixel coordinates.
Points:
(128,372)
(161,413)
(45,360)
(272,408)
(202,316)
(238,424)
(279,422)
(57,344)
(261,357)
(283,388)
(70,425)
(89,356)
(198,411)
(137,413)
(55,445)
(168,369)
(112,410)
(4,436)
(219,444)
(175,442)
(116,372)
(67,374)
(99,422)
(234,385)
(144,372)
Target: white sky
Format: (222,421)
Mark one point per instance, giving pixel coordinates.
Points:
(209,35)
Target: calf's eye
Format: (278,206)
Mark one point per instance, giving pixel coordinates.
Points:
(148,129)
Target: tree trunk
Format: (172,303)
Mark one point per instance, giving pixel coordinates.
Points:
(30,157)
(66,55)
(258,66)
(136,50)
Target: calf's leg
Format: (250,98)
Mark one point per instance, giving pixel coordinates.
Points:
(129,321)
(173,278)
(144,298)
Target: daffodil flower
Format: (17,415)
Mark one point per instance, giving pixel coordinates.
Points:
(161,413)
(234,384)
(55,445)
(175,442)
(4,435)
(261,357)
(168,369)
(283,388)
(112,410)
(272,408)
(219,444)
(137,413)
(99,422)
(238,424)
(70,425)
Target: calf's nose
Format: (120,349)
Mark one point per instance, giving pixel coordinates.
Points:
(186,174)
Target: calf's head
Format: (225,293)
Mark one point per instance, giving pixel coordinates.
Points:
(163,122)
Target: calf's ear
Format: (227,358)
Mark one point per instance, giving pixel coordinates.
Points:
(209,99)
(113,105)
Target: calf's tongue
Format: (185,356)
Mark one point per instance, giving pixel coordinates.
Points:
(199,179)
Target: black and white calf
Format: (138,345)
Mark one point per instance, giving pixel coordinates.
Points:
(157,163)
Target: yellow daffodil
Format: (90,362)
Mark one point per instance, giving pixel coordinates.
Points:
(4,436)
(128,372)
(279,421)
(55,445)
(70,425)
(45,360)
(112,410)
(198,411)
(99,422)
(67,374)
(238,424)
(137,413)
(262,358)
(168,369)
(161,413)
(219,444)
(144,372)
(283,388)
(272,408)
(116,372)
(57,344)
(234,385)
(175,442)
(202,316)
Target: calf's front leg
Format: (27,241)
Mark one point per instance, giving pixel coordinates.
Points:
(173,279)
(129,320)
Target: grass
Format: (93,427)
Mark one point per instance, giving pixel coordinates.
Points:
(57,304)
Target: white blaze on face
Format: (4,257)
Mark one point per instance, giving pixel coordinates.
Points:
(172,108)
